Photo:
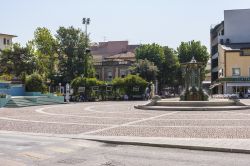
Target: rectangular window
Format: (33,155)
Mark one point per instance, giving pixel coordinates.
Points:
(110,75)
(97,75)
(236,72)
(8,42)
(220,73)
(4,41)
(122,73)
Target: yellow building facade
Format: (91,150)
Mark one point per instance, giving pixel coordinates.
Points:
(234,69)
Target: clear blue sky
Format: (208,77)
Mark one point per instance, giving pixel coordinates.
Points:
(167,22)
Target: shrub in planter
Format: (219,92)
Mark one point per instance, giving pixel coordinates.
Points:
(34,83)
(88,83)
(118,87)
(132,81)
(128,85)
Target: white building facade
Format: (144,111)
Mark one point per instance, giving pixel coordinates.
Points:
(5,40)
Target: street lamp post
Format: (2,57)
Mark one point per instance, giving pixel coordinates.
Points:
(86,22)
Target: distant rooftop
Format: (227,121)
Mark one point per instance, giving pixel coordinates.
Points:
(3,34)
(236,46)
(126,55)
(236,9)
(110,48)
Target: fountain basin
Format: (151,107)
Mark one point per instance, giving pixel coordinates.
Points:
(211,105)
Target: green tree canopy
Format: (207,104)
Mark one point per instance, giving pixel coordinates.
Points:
(152,52)
(46,51)
(169,73)
(146,69)
(187,50)
(74,59)
(17,60)
(164,58)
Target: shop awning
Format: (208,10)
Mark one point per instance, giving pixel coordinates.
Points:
(238,84)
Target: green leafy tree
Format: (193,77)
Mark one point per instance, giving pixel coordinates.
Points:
(187,50)
(74,57)
(46,51)
(17,60)
(169,73)
(165,59)
(152,52)
(146,69)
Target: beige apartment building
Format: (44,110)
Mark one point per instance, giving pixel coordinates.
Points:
(230,54)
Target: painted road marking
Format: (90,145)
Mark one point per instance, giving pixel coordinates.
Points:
(127,124)
(65,123)
(41,111)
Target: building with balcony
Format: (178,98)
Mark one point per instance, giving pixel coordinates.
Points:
(230,43)
(5,40)
(112,59)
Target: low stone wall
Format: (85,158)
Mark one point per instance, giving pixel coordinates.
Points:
(33,94)
(57,98)
(4,101)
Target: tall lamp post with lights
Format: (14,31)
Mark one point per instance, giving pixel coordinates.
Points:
(86,22)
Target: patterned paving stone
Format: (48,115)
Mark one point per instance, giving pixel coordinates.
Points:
(121,119)
(179,132)
(46,128)
(169,122)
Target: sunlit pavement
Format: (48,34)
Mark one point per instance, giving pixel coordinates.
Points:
(54,127)
(121,119)
(21,150)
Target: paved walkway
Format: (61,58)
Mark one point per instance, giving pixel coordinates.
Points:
(120,122)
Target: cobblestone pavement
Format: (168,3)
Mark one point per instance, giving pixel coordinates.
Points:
(121,119)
